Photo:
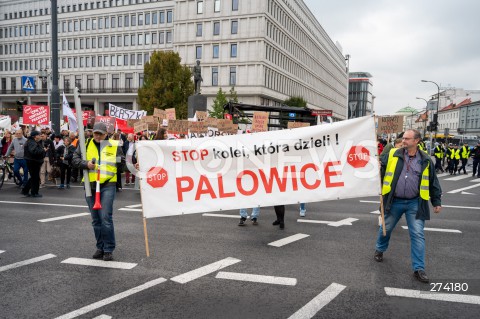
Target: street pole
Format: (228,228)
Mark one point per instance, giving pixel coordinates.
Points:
(55,99)
(435,116)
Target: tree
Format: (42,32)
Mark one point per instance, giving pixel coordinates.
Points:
(295,101)
(218,103)
(167,84)
(233,95)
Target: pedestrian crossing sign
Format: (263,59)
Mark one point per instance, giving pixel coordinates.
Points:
(28,83)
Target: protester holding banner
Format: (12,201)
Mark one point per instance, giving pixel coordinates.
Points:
(280,212)
(107,154)
(34,156)
(409,181)
(244,215)
(129,150)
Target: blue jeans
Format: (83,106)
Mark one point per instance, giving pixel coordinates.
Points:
(17,164)
(255,212)
(415,228)
(302,206)
(102,221)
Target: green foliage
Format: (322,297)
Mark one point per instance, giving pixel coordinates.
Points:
(233,95)
(218,103)
(167,84)
(295,101)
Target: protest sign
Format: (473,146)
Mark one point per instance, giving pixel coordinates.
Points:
(171,115)
(36,114)
(140,127)
(390,124)
(310,164)
(124,114)
(297,124)
(109,121)
(260,122)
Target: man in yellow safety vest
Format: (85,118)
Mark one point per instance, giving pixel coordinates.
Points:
(409,182)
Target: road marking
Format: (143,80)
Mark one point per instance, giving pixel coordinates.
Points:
(205,270)
(112,299)
(466,193)
(99,263)
(131,209)
(475,180)
(461,207)
(376,212)
(103,317)
(408,293)
(370,201)
(443,174)
(343,222)
(2,251)
(288,240)
(27,262)
(62,217)
(457,178)
(222,215)
(463,189)
(43,204)
(317,303)
(257,278)
(134,206)
(443,230)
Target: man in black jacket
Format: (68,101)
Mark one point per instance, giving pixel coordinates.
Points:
(34,155)
(476,160)
(409,182)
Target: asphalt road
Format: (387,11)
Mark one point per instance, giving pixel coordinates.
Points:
(329,273)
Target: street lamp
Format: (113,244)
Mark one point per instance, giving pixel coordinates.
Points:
(428,115)
(435,117)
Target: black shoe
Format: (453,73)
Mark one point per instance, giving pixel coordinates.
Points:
(421,276)
(282,225)
(107,257)
(26,195)
(242,221)
(98,254)
(378,256)
(275,223)
(254,221)
(37,195)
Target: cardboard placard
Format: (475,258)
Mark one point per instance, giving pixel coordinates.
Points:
(131,123)
(178,126)
(160,114)
(150,119)
(211,121)
(297,124)
(201,115)
(171,115)
(140,127)
(260,122)
(153,126)
(390,124)
(197,127)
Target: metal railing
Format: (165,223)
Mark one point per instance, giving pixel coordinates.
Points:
(70,91)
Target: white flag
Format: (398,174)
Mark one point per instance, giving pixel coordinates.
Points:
(67,111)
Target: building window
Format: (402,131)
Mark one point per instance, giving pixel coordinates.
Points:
(169,37)
(140,19)
(103,82)
(214,76)
(199,29)
(89,82)
(126,40)
(216,28)
(154,18)
(216,6)
(115,82)
(234,27)
(162,38)
(140,80)
(233,75)
(216,51)
(233,50)
(100,23)
(129,81)
(139,59)
(169,16)
(133,20)
(199,7)
(113,22)
(234,5)
(125,59)
(132,59)
(127,20)
(147,18)
(154,38)
(140,39)
(120,21)
(198,52)
(162,17)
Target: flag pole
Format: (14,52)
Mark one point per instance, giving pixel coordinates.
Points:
(382,212)
(81,139)
(145,232)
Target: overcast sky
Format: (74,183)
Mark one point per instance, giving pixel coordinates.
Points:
(403,42)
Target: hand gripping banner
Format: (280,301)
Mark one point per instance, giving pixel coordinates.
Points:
(309,164)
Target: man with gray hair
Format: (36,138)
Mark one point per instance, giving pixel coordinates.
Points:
(409,182)
(17,145)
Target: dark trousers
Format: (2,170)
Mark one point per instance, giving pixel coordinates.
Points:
(65,168)
(438,164)
(476,165)
(119,179)
(280,212)
(453,165)
(464,164)
(33,183)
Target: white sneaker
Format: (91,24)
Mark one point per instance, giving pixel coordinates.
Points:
(303,212)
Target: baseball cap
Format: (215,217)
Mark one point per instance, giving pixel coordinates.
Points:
(100,127)
(34,133)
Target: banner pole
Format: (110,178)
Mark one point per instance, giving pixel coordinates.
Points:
(382,214)
(145,233)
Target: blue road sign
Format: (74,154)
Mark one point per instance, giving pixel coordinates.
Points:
(291,114)
(28,83)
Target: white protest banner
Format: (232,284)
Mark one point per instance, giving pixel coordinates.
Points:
(125,114)
(67,111)
(310,164)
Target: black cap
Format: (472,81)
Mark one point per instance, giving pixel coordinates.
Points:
(34,133)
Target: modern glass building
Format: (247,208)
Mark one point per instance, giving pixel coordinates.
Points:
(360,97)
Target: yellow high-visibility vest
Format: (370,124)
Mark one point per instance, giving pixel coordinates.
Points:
(107,159)
(454,154)
(389,174)
(465,152)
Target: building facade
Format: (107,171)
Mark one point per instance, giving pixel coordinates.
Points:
(268,50)
(360,97)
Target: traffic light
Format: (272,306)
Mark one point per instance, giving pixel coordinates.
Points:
(20,105)
(434,126)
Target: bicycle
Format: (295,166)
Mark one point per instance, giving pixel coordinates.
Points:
(7,168)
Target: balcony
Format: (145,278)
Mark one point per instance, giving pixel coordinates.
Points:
(70,91)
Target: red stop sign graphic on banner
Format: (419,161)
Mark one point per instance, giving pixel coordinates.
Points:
(358,156)
(157,177)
